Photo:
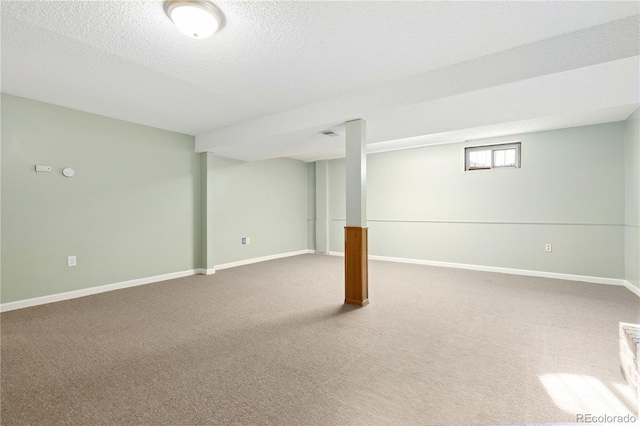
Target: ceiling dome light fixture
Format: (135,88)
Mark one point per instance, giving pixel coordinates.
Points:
(195,18)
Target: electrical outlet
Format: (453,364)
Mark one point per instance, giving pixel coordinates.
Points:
(43,169)
(71,261)
(547,247)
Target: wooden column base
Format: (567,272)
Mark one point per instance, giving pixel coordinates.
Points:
(356,266)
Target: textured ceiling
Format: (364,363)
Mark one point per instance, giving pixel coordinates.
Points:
(279,71)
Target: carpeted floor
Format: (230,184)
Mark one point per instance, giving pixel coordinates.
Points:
(271,343)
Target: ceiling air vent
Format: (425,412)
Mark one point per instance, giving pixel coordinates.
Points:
(329,133)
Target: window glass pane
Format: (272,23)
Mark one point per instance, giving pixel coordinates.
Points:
(504,157)
(511,157)
(480,159)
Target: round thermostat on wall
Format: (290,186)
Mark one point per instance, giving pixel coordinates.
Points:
(68,172)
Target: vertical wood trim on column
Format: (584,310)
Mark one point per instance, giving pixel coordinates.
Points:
(356,284)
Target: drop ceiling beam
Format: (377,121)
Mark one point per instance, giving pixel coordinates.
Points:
(600,44)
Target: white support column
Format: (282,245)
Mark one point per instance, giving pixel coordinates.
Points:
(322,207)
(206,211)
(356,173)
(356,266)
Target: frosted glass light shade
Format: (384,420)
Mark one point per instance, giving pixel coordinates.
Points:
(197,19)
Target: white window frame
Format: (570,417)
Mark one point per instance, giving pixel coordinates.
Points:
(492,148)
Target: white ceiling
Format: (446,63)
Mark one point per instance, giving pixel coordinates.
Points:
(279,72)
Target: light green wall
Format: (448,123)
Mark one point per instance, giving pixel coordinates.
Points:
(265,201)
(131,211)
(632,199)
(144,204)
(569,192)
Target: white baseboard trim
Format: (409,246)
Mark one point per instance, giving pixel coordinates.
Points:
(262,259)
(19,304)
(632,288)
(526,272)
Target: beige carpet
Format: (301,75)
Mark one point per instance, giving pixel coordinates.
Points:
(271,343)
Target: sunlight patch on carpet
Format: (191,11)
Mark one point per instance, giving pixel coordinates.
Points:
(580,394)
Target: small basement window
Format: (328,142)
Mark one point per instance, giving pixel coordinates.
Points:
(506,155)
